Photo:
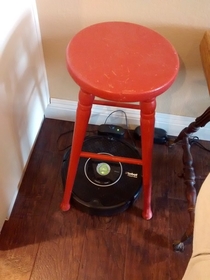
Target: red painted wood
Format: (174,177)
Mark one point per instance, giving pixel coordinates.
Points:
(111,158)
(119,62)
(81,122)
(122,61)
(147,121)
(118,104)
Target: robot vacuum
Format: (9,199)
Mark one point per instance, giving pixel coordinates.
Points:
(105,188)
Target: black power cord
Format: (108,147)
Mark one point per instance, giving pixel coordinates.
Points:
(95,132)
(126,124)
(68,132)
(195,141)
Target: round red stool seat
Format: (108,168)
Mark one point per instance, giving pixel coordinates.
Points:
(119,63)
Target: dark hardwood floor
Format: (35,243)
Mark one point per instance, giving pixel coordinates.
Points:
(41,242)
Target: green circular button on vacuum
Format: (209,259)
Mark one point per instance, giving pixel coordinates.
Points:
(103,169)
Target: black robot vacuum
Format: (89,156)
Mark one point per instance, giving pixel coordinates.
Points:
(105,188)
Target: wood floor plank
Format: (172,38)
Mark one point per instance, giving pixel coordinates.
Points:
(18,253)
(147,247)
(148,242)
(42,242)
(178,223)
(50,133)
(59,254)
(21,235)
(103,256)
(118,223)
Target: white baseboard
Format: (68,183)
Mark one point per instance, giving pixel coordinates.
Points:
(65,110)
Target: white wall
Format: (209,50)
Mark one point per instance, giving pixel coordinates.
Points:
(182,22)
(23,94)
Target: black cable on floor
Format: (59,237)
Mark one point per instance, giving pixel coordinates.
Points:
(68,132)
(126,124)
(195,141)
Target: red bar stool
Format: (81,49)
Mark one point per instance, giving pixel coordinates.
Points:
(124,65)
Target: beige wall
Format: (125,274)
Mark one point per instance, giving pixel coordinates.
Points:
(182,22)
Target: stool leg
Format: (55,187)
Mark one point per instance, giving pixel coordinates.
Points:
(82,117)
(147,123)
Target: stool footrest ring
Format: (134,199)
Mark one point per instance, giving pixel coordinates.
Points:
(111,158)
